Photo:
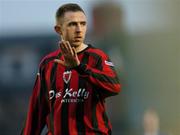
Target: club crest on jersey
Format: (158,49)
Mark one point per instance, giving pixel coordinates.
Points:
(67,76)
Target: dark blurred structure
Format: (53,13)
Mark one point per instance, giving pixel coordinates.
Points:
(149,53)
(19,59)
(108,33)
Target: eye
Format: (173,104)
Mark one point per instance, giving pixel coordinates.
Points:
(72,24)
(83,23)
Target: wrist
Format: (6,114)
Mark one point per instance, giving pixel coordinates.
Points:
(81,68)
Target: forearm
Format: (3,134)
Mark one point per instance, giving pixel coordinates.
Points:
(107,80)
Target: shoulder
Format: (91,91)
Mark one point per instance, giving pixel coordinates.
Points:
(49,58)
(96,51)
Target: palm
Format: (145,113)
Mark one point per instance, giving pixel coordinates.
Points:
(70,56)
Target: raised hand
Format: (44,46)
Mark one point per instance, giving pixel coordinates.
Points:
(70,56)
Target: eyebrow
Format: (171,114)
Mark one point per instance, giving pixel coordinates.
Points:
(74,22)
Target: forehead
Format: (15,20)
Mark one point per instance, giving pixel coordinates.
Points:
(74,16)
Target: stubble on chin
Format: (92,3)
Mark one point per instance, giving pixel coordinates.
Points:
(76,45)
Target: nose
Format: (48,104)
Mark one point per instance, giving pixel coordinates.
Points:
(78,28)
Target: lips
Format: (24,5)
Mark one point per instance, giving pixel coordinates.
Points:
(78,37)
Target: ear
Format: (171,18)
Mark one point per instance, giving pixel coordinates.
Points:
(58,29)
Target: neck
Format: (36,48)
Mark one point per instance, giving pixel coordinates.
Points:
(81,47)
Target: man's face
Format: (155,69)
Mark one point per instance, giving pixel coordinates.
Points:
(73,28)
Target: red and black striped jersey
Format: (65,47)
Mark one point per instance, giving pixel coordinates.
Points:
(72,101)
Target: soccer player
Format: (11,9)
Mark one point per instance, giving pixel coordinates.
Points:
(72,83)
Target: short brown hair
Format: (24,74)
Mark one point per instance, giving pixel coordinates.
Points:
(65,8)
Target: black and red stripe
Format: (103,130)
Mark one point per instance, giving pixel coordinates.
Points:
(83,112)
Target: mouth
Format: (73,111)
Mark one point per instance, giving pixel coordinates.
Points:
(77,38)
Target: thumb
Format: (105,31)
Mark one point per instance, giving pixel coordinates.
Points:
(60,62)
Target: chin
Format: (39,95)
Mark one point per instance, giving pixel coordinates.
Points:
(76,44)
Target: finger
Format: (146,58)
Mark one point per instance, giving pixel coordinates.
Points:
(76,56)
(59,44)
(63,47)
(59,62)
(62,38)
(74,51)
(69,48)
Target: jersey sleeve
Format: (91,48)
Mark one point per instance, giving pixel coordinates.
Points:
(103,76)
(36,116)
